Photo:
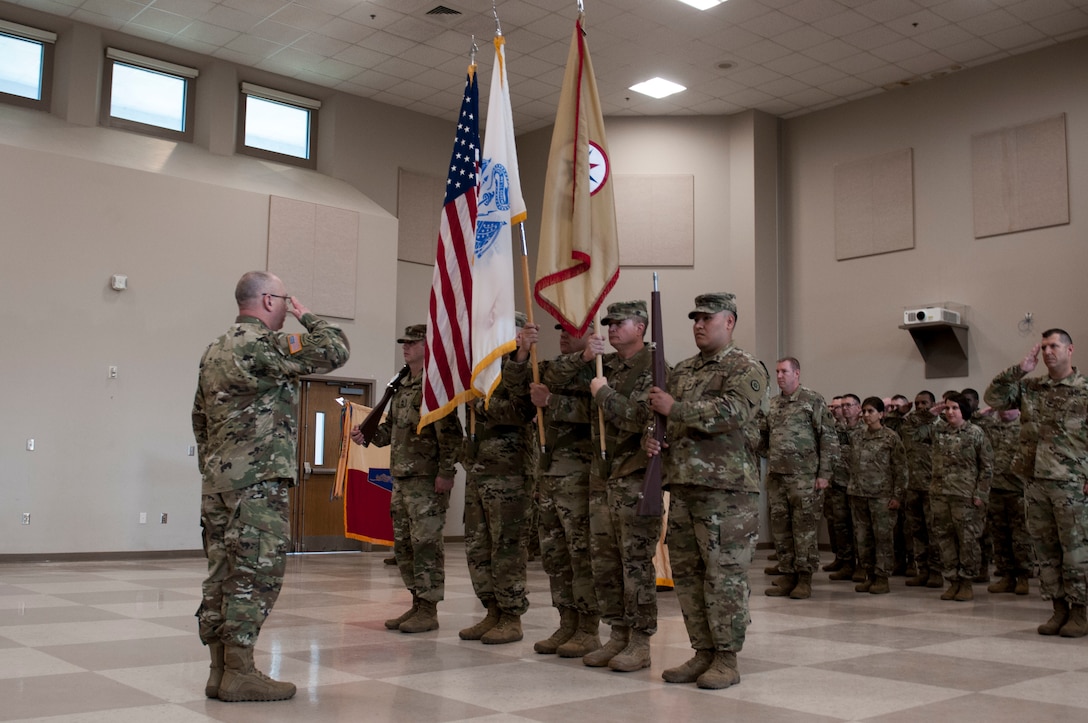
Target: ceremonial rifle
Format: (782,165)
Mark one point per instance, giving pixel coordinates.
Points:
(649,499)
(369,426)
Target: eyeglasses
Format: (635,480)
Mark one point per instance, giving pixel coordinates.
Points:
(277,296)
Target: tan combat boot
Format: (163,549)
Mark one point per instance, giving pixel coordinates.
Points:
(242,681)
(585,640)
(394,623)
(865,585)
(1058,619)
(568,624)
(879,586)
(1005,584)
(1077,625)
(936,580)
(953,588)
(635,656)
(215,673)
(690,671)
(475,632)
(507,630)
(1021,585)
(424,619)
(964,593)
(803,590)
(722,673)
(920,579)
(617,641)
(783,586)
(846,572)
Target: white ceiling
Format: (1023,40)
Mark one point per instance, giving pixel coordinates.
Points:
(791,56)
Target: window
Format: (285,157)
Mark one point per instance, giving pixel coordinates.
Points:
(147,95)
(278,126)
(26,65)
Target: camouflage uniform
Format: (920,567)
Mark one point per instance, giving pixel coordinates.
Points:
(797,436)
(1053,459)
(878,474)
(1013,553)
(622,543)
(564,482)
(916,432)
(498,499)
(713,480)
(247,435)
(963,466)
(840,521)
(419,513)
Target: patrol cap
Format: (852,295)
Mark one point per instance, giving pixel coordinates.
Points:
(626,310)
(520,319)
(415,332)
(713,303)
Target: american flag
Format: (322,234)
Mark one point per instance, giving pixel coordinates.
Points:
(447,370)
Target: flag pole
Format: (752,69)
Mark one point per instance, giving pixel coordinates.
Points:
(532,348)
(600,373)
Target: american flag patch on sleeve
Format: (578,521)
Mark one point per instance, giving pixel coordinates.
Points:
(294,343)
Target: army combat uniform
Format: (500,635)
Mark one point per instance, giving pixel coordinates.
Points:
(797,436)
(1053,459)
(840,521)
(622,543)
(1014,557)
(247,435)
(498,511)
(916,432)
(419,513)
(712,476)
(564,503)
(963,465)
(878,475)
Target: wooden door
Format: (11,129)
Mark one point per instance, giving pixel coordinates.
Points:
(317,519)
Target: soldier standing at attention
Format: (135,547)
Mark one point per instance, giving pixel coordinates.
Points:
(422,466)
(842,518)
(878,478)
(247,437)
(963,467)
(713,481)
(564,496)
(1054,455)
(797,436)
(498,502)
(622,543)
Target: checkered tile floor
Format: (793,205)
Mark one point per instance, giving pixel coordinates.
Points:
(113,642)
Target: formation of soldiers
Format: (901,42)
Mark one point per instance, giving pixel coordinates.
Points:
(905,487)
(936,491)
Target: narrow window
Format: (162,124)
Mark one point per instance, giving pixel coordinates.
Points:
(26,65)
(148,95)
(279,126)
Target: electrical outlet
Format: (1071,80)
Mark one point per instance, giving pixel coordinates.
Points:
(30,445)
(192,450)
(143,518)
(162,519)
(112,372)
(26,518)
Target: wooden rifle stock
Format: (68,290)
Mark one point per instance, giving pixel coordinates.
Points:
(649,499)
(369,426)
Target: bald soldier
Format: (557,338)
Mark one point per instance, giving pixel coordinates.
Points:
(244,420)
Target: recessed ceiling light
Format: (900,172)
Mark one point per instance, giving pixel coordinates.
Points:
(702,4)
(657,87)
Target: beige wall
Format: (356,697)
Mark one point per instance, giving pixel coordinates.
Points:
(840,318)
(183,221)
